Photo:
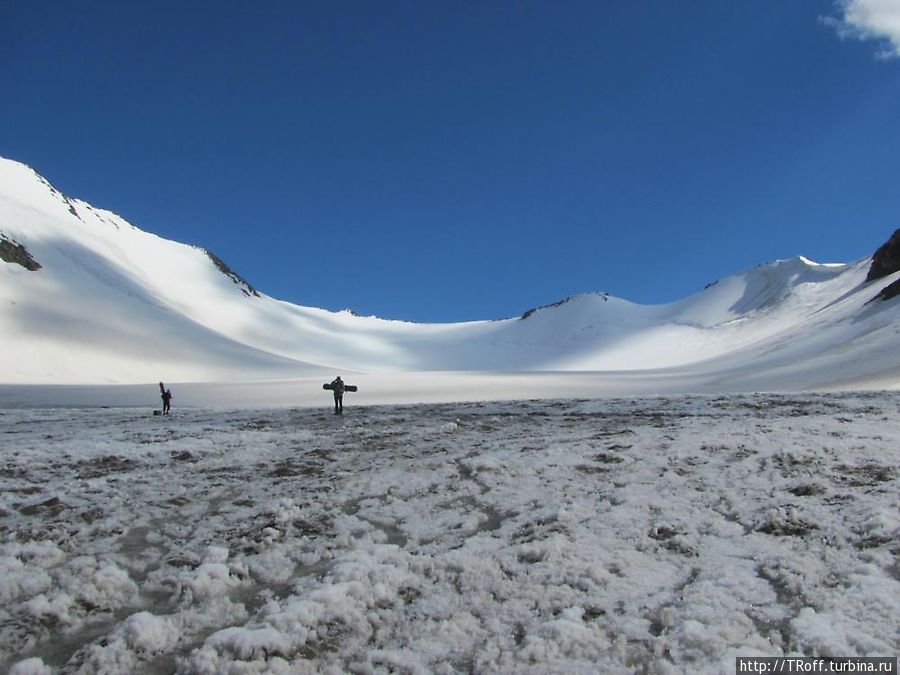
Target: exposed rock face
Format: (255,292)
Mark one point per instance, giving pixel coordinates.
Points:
(886,259)
(888,292)
(245,286)
(12,251)
(531,312)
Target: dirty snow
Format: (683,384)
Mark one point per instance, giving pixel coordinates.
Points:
(663,534)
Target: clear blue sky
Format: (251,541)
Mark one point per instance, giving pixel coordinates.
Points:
(441,161)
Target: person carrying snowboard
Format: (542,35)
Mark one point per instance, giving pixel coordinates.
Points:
(337,387)
(166,395)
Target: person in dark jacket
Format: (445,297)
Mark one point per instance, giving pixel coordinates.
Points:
(167,401)
(337,387)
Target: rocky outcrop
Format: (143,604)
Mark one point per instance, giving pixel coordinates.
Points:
(244,285)
(886,259)
(12,251)
(888,292)
(885,262)
(531,312)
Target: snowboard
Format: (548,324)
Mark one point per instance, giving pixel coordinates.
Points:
(347,387)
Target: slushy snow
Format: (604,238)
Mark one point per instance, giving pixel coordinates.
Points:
(658,534)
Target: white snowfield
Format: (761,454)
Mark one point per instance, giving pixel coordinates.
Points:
(113,304)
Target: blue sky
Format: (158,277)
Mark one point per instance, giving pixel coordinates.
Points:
(443,161)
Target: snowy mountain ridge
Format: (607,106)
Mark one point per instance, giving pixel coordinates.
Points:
(112,303)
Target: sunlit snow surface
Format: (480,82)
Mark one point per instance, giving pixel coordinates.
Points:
(656,534)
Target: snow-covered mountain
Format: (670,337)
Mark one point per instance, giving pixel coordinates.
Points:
(86,297)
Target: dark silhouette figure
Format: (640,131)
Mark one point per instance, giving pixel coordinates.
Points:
(337,387)
(166,396)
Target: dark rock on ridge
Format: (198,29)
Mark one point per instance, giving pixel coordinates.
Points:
(886,261)
(888,292)
(246,288)
(534,310)
(12,251)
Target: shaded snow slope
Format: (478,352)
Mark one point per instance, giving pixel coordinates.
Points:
(111,303)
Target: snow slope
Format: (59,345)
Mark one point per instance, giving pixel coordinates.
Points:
(114,304)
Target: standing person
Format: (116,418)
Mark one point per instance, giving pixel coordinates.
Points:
(166,395)
(337,386)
